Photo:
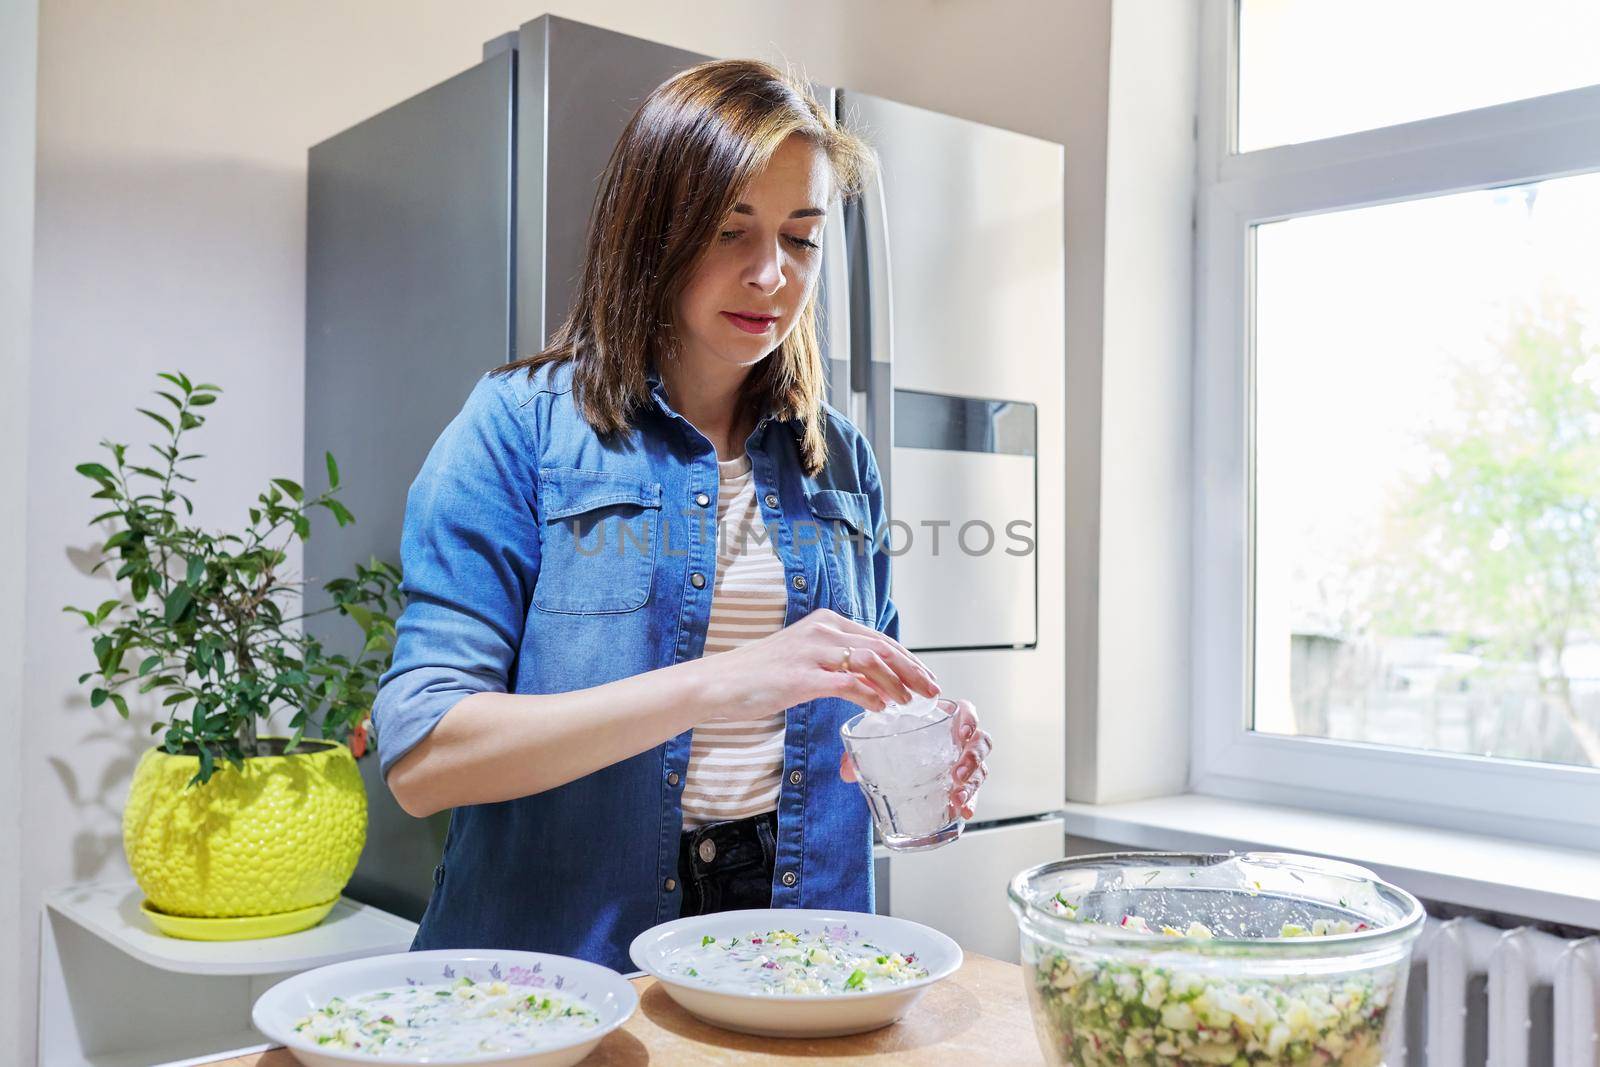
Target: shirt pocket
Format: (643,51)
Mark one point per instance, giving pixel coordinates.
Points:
(846,523)
(600,537)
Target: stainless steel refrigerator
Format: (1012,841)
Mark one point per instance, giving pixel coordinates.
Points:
(444,237)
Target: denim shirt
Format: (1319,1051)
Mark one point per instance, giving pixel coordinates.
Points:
(539,557)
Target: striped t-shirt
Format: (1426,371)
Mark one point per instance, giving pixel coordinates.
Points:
(735,766)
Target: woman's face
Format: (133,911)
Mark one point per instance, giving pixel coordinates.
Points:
(761,263)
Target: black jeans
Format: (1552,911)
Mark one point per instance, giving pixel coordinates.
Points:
(726,866)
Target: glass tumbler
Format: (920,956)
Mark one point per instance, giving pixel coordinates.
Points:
(903,764)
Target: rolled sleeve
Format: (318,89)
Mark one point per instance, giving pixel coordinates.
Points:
(469,554)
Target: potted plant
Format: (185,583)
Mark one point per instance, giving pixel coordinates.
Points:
(231,834)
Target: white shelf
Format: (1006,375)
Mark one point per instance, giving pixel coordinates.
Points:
(110,910)
(116,992)
(1518,878)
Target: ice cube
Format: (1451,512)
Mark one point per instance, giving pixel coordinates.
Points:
(918,705)
(874,725)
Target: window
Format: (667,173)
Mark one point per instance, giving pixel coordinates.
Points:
(1397,506)
(1310,69)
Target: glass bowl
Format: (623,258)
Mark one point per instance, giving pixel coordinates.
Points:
(1300,960)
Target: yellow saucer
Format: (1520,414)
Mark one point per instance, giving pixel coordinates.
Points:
(236,928)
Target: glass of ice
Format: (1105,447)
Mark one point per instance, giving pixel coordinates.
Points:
(904,756)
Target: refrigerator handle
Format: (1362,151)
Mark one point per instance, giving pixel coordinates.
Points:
(872,319)
(836,310)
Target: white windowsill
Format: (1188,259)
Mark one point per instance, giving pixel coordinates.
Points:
(1535,881)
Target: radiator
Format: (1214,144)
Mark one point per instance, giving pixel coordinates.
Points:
(1517,964)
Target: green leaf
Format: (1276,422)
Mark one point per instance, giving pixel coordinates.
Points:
(95,471)
(176,604)
(189,422)
(122,705)
(97,697)
(178,381)
(201,399)
(105,608)
(197,570)
(150,663)
(175,401)
(341,514)
(155,727)
(292,488)
(333,471)
(119,538)
(208,386)
(158,418)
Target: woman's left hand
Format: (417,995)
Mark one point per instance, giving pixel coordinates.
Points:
(970,769)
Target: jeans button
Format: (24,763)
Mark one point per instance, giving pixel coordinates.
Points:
(708,850)
(795,777)
(672,778)
(697,580)
(800,582)
(702,499)
(772,500)
(670,884)
(790,878)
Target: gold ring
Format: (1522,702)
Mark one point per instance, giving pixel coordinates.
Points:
(844,664)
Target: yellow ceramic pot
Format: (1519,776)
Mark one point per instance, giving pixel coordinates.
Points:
(281,836)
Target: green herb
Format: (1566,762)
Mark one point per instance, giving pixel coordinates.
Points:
(856,979)
(707,940)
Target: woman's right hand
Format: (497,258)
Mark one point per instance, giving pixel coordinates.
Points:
(807,661)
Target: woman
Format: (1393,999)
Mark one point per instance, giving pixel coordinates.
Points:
(631,713)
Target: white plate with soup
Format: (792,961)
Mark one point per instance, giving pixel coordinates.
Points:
(796,972)
(447,1006)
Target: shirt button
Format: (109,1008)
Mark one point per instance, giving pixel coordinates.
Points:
(672,778)
(795,777)
(702,499)
(772,500)
(697,580)
(790,878)
(800,581)
(670,884)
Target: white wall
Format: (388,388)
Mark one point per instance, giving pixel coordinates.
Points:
(170,234)
(1142,698)
(19,23)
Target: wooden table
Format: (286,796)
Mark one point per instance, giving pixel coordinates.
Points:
(978,1015)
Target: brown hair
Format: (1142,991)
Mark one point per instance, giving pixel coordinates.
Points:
(683,162)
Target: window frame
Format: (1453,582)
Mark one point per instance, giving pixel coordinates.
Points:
(1507,144)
